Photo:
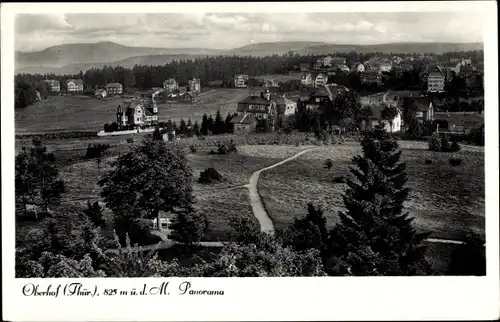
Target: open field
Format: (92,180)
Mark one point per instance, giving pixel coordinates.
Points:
(224,100)
(71,113)
(446,201)
(219,201)
(279,78)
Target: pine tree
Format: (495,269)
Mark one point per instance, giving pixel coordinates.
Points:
(375,236)
(228,125)
(210,125)
(204,125)
(196,129)
(219,127)
(183,127)
(190,128)
(94,213)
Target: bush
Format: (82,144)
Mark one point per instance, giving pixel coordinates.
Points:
(192,148)
(210,175)
(130,140)
(339,179)
(455,162)
(435,143)
(212,152)
(96,150)
(455,147)
(428,161)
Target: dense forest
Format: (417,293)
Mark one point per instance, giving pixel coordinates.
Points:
(220,68)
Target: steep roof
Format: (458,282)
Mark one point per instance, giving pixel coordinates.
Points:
(114,85)
(76,81)
(320,93)
(243,119)
(254,100)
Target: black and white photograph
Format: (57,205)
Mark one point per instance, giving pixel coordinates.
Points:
(251,143)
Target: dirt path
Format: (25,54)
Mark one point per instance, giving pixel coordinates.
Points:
(266,225)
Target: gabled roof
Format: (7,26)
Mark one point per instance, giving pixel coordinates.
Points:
(170,81)
(254,100)
(377,112)
(114,85)
(243,119)
(76,81)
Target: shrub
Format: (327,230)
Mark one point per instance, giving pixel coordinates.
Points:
(208,176)
(428,161)
(221,148)
(192,148)
(435,143)
(96,150)
(455,147)
(328,164)
(339,179)
(130,140)
(445,144)
(455,162)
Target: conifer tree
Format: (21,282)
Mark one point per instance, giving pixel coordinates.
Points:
(204,125)
(375,236)
(219,127)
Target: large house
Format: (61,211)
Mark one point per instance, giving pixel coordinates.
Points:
(240,80)
(195,86)
(138,111)
(424,108)
(170,85)
(358,67)
(258,106)
(334,90)
(54,85)
(244,123)
(316,99)
(74,85)
(371,77)
(101,92)
(283,106)
(377,117)
(320,80)
(385,66)
(114,89)
(184,97)
(307,79)
(436,80)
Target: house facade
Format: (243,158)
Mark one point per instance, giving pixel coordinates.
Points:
(101,93)
(376,118)
(334,90)
(436,80)
(307,80)
(170,85)
(54,85)
(240,81)
(244,123)
(320,80)
(114,89)
(195,86)
(385,67)
(74,85)
(316,99)
(258,106)
(137,112)
(371,77)
(358,68)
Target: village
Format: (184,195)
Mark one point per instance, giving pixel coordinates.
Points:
(315,83)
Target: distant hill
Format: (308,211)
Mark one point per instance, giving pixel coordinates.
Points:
(71,58)
(437,48)
(271,48)
(83,53)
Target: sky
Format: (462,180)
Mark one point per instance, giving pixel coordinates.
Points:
(36,32)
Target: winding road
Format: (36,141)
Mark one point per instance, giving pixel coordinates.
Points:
(259,211)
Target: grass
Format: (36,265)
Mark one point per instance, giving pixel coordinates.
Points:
(219,201)
(71,113)
(446,201)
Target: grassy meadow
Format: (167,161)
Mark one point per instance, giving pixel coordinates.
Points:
(82,113)
(446,201)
